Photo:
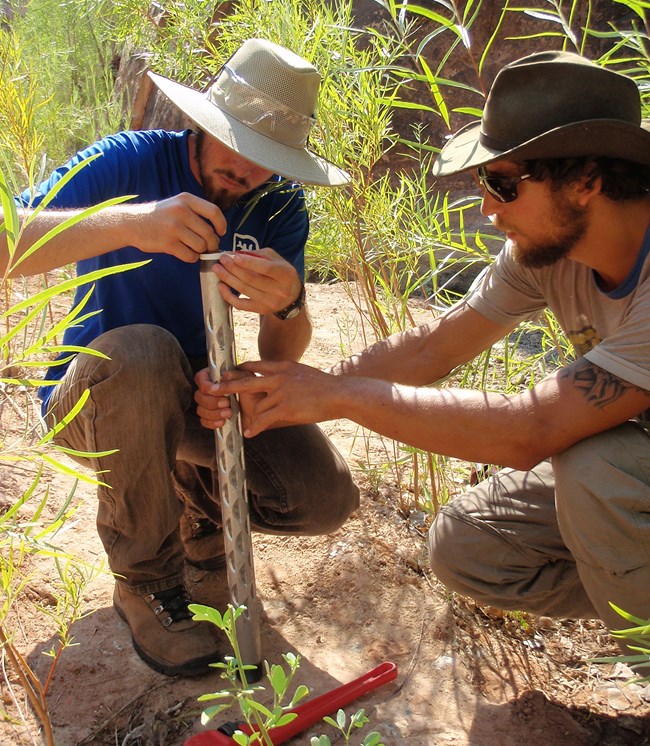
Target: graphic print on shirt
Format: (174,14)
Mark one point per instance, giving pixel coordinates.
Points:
(585,338)
(244,242)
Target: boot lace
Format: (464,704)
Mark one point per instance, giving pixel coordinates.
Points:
(174,602)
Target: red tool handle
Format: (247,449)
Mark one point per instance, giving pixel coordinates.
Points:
(309,712)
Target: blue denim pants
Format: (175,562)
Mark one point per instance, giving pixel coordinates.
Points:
(141,408)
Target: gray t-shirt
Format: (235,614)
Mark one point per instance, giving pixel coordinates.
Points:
(611,329)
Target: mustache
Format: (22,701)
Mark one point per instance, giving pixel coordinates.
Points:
(231,177)
(499,225)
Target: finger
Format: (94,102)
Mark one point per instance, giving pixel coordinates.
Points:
(244,279)
(207,210)
(207,403)
(181,251)
(233,286)
(264,367)
(249,385)
(203,381)
(234,300)
(212,424)
(200,240)
(210,412)
(235,374)
(258,262)
(259,422)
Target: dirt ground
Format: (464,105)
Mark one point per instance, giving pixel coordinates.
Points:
(344,603)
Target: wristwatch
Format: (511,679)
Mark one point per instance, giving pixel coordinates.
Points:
(293,309)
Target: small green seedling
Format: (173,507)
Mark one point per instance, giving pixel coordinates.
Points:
(258,717)
(358,720)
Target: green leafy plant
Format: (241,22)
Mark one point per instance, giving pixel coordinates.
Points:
(636,638)
(240,692)
(358,720)
(28,341)
(259,718)
(72,82)
(26,530)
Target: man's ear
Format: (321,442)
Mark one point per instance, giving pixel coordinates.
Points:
(587,186)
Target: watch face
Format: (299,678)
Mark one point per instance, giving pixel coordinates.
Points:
(291,313)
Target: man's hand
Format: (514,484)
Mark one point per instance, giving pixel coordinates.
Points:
(282,393)
(184,226)
(213,408)
(266,282)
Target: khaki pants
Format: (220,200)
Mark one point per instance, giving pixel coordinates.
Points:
(141,404)
(563,539)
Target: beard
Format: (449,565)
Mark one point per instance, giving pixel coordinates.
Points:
(570,227)
(224,199)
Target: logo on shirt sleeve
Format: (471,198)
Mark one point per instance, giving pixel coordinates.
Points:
(244,242)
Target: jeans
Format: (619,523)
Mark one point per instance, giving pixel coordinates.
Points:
(145,443)
(564,539)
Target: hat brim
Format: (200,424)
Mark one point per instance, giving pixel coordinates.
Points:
(292,163)
(611,138)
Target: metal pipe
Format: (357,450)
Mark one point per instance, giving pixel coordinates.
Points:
(229,444)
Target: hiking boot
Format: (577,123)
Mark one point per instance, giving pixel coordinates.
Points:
(208,587)
(163,633)
(202,541)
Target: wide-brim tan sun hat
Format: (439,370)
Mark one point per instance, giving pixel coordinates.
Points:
(552,105)
(262,106)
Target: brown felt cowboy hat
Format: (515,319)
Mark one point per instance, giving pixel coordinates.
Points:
(262,106)
(552,105)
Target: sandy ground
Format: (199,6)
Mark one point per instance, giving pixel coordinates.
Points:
(344,603)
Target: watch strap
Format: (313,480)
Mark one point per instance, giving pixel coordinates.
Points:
(293,309)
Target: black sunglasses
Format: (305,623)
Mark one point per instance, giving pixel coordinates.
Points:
(502,188)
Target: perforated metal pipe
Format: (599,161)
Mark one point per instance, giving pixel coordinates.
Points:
(232,477)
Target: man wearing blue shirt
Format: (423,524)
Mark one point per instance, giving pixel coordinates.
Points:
(232,186)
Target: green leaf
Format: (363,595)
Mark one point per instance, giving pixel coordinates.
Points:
(63,226)
(359,719)
(66,420)
(629,617)
(259,707)
(301,692)
(210,712)
(203,613)
(436,92)
(71,284)
(278,679)
(11,222)
(215,695)
(285,719)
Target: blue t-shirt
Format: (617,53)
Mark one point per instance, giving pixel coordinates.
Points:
(154,165)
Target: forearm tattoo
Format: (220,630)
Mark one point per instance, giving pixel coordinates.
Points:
(599,386)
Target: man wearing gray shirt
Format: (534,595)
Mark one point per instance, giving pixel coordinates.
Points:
(563,161)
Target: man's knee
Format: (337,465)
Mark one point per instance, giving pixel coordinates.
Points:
(444,541)
(142,362)
(141,349)
(141,368)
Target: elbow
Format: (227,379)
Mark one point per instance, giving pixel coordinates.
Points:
(528,451)
(523,460)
